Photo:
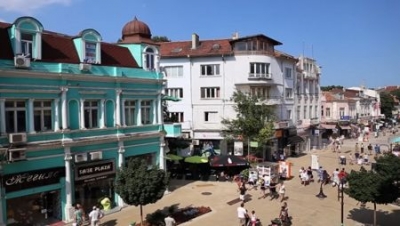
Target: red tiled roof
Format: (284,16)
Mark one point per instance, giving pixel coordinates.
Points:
(60,48)
(257,36)
(205,48)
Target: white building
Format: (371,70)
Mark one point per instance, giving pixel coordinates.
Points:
(205,74)
(369,104)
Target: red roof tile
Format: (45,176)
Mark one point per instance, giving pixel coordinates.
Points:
(57,48)
(5,45)
(114,55)
(205,48)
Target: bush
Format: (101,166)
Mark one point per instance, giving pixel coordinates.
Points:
(245,174)
(156,218)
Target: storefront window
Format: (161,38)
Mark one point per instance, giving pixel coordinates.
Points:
(149,157)
(97,193)
(37,209)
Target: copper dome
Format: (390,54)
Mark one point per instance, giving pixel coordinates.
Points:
(136,27)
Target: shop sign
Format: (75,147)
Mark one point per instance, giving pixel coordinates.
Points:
(94,170)
(32,179)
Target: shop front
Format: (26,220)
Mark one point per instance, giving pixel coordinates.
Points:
(94,184)
(34,197)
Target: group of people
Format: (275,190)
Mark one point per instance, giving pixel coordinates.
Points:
(306,175)
(94,216)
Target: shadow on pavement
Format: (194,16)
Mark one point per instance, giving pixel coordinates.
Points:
(109,223)
(383,218)
(178,183)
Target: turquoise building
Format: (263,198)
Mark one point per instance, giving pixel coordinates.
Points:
(73,109)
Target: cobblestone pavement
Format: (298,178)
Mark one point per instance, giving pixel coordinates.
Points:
(305,208)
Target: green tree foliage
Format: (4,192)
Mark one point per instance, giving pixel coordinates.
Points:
(387,104)
(396,93)
(253,119)
(160,39)
(329,88)
(388,166)
(139,185)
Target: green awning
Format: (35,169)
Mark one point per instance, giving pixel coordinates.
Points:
(171,98)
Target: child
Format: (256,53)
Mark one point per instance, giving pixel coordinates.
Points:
(253,218)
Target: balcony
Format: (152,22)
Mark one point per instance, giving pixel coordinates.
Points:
(310,75)
(173,129)
(260,76)
(272,101)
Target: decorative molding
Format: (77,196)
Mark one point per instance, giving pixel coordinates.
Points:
(92,92)
(28,91)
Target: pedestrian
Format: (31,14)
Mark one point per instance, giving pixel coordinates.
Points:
(242,192)
(253,218)
(377,149)
(263,188)
(242,214)
(169,221)
(310,174)
(320,174)
(370,149)
(78,216)
(272,190)
(94,216)
(362,148)
(335,177)
(282,191)
(356,148)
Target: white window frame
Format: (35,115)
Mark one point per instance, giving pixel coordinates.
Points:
(310,112)
(89,107)
(15,109)
(90,59)
(298,112)
(150,59)
(304,112)
(27,45)
(342,112)
(145,111)
(288,114)
(259,70)
(210,92)
(260,91)
(45,106)
(328,112)
(178,115)
(210,116)
(130,112)
(289,93)
(174,92)
(173,71)
(210,70)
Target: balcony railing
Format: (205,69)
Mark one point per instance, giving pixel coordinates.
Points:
(259,76)
(272,101)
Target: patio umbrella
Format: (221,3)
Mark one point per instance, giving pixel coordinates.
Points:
(196,159)
(228,160)
(173,157)
(171,98)
(396,140)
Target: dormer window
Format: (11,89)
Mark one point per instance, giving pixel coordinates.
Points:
(90,52)
(90,45)
(27,36)
(150,59)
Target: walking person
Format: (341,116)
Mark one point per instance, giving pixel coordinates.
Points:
(169,221)
(362,148)
(272,190)
(242,215)
(253,218)
(335,177)
(282,191)
(78,216)
(242,192)
(262,188)
(94,216)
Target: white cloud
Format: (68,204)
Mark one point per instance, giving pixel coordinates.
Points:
(28,6)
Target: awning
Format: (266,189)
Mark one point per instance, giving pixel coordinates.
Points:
(171,98)
(295,140)
(345,127)
(328,126)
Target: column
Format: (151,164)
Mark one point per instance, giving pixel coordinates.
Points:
(56,115)
(68,185)
(2,116)
(118,107)
(31,116)
(162,160)
(160,115)
(123,112)
(82,114)
(121,151)
(102,113)
(139,112)
(154,111)
(64,116)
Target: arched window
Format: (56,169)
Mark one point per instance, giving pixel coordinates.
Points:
(28,37)
(150,59)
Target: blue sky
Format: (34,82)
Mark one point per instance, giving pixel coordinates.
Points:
(355,41)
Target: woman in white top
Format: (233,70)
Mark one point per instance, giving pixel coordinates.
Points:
(335,176)
(282,191)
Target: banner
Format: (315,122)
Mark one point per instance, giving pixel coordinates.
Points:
(238,148)
(314,162)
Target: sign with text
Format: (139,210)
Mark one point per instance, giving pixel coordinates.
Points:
(32,179)
(94,170)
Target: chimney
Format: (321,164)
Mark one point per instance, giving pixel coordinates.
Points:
(235,35)
(195,41)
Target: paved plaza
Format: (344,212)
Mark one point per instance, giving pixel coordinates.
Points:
(305,208)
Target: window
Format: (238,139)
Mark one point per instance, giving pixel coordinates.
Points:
(173,71)
(15,116)
(316,111)
(289,93)
(328,112)
(305,112)
(176,116)
(42,115)
(145,109)
(341,112)
(288,72)
(260,91)
(259,70)
(289,114)
(90,52)
(91,114)
(210,116)
(149,57)
(27,44)
(298,112)
(310,113)
(210,70)
(130,113)
(210,93)
(322,111)
(174,92)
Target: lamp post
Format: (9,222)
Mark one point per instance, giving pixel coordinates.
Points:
(321,194)
(340,194)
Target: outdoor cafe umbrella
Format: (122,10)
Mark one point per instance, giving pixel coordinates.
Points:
(228,160)
(196,159)
(173,157)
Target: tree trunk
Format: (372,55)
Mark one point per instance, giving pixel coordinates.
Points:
(141,215)
(374,214)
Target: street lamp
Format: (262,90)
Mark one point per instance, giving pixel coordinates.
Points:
(340,195)
(321,194)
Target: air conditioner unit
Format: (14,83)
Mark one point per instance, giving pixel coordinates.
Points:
(85,67)
(81,157)
(15,138)
(98,155)
(16,154)
(22,62)
(195,142)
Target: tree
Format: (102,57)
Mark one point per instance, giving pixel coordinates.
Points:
(387,104)
(329,88)
(388,166)
(160,39)
(139,185)
(254,120)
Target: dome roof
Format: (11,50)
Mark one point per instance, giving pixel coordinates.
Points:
(136,27)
